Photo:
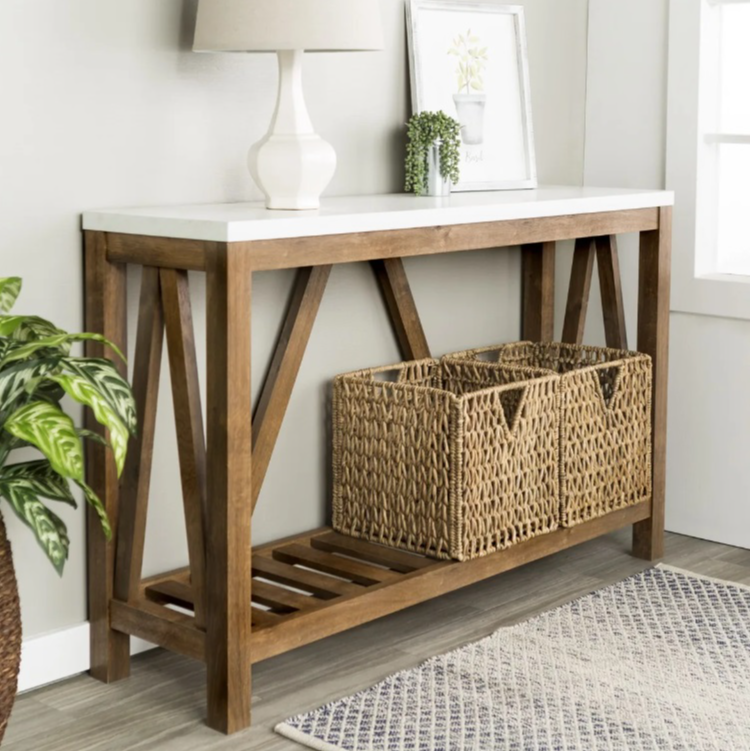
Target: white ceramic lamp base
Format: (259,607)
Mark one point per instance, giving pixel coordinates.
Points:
(291,164)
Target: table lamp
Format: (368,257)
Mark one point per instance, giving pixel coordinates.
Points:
(291,164)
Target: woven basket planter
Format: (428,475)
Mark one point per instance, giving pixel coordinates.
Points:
(606,428)
(10,631)
(449,459)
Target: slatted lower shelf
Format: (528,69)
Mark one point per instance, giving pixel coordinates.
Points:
(312,586)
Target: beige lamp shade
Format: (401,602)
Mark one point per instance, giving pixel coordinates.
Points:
(271,25)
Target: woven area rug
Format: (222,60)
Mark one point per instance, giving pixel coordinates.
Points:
(657,661)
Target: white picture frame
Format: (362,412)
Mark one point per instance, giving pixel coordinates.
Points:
(469,59)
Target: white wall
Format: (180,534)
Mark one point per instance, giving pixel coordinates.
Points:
(708,395)
(103,104)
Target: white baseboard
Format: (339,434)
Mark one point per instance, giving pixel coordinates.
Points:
(60,654)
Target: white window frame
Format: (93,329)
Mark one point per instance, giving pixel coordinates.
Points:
(692,291)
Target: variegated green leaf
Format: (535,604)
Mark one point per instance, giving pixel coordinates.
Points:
(48,428)
(8,324)
(45,390)
(5,345)
(55,342)
(48,528)
(27,328)
(93,500)
(10,287)
(106,379)
(87,394)
(40,478)
(92,436)
(15,379)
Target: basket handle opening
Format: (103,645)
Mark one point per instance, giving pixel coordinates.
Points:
(488,355)
(388,376)
(608,380)
(512,401)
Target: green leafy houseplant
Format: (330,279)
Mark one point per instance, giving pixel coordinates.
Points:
(36,371)
(424,130)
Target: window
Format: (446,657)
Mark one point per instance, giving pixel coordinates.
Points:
(724,113)
(708,155)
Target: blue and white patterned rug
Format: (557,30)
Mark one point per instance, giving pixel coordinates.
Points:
(657,661)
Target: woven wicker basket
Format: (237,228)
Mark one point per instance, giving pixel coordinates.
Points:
(10,631)
(452,460)
(606,434)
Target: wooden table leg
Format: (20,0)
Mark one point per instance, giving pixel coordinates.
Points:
(105,314)
(538,284)
(653,324)
(229,489)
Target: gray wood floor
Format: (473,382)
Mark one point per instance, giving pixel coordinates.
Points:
(162,705)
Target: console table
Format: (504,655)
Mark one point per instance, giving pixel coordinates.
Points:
(226,617)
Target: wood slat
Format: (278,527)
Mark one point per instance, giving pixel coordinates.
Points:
(297,252)
(161,626)
(178,574)
(282,599)
(361,573)
(611,293)
(538,289)
(397,560)
(285,364)
(136,480)
(172,591)
(300,537)
(397,294)
(191,446)
(263,618)
(320,585)
(652,338)
(162,252)
(229,487)
(578,291)
(106,313)
(304,627)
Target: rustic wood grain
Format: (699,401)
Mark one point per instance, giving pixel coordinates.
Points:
(578,291)
(281,599)
(360,573)
(229,488)
(538,291)
(320,585)
(285,365)
(160,625)
(611,293)
(136,480)
(191,446)
(397,294)
(105,313)
(298,252)
(161,252)
(401,591)
(397,560)
(652,338)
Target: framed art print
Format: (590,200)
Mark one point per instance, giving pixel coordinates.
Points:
(468,58)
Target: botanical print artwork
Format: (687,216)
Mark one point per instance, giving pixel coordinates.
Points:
(468,60)
(470,97)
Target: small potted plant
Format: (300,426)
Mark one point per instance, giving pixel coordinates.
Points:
(432,163)
(36,372)
(470,97)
